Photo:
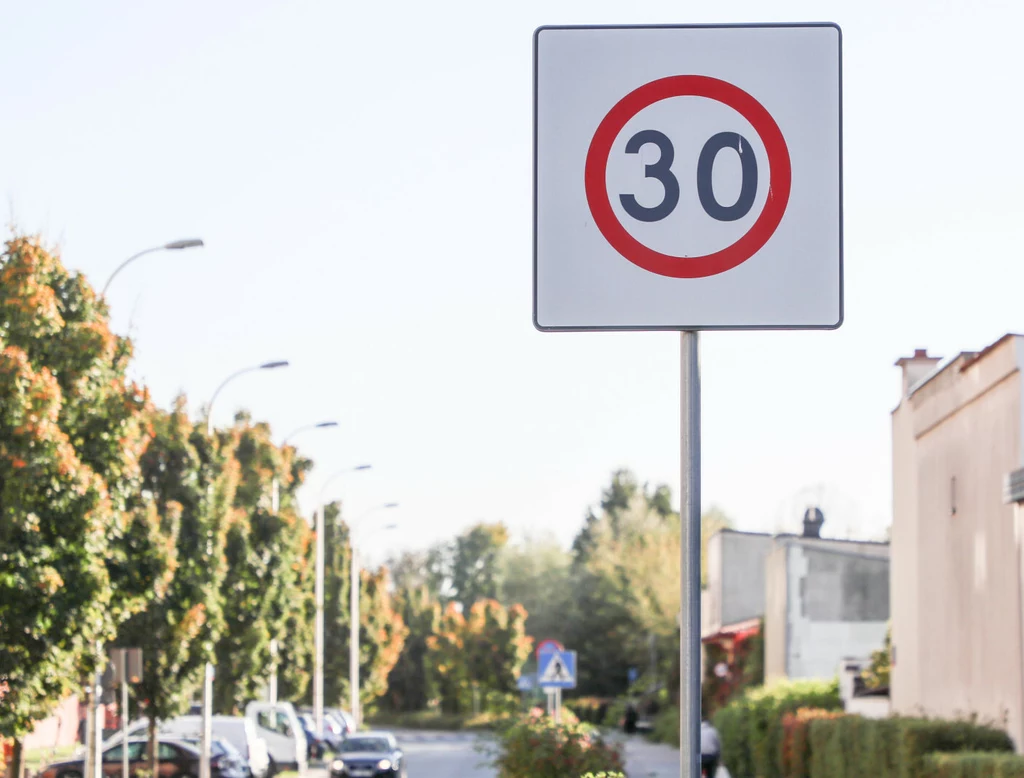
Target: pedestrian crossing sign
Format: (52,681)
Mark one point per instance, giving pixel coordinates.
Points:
(557,670)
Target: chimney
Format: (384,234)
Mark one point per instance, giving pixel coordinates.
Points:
(813,519)
(915,368)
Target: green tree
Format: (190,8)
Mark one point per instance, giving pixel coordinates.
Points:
(264,577)
(483,650)
(537,573)
(409,683)
(381,630)
(625,583)
(474,563)
(192,481)
(79,551)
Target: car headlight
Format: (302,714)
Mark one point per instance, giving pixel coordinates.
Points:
(384,764)
(337,765)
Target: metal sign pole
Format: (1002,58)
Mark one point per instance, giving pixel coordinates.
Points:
(124,714)
(204,756)
(689,643)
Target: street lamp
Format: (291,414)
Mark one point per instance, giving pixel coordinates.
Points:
(318,638)
(174,245)
(232,377)
(275,495)
(353,635)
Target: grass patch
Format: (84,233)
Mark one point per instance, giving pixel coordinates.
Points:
(429,720)
(37,758)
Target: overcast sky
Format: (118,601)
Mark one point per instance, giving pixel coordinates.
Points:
(361,174)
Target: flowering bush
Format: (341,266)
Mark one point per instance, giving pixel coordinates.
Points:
(536,747)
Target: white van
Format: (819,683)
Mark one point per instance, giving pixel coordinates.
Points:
(279,726)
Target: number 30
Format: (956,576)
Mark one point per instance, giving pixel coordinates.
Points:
(661,171)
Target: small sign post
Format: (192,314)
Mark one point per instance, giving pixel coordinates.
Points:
(688,178)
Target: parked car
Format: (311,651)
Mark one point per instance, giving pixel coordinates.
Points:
(239,731)
(278,725)
(346,719)
(315,745)
(225,759)
(369,755)
(176,759)
(335,728)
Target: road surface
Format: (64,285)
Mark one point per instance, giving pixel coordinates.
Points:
(458,755)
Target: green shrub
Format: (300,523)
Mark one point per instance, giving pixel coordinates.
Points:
(535,747)
(616,713)
(666,727)
(592,710)
(795,749)
(854,747)
(973,765)
(751,725)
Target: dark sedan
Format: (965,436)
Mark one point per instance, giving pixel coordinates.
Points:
(369,755)
(177,759)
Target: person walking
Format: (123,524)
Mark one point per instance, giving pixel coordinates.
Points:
(710,749)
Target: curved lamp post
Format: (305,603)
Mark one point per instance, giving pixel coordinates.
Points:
(276,487)
(174,245)
(353,636)
(232,377)
(318,650)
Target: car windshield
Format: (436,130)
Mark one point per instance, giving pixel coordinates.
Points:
(354,744)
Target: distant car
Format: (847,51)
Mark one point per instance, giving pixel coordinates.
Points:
(346,719)
(335,727)
(314,741)
(225,759)
(176,759)
(369,755)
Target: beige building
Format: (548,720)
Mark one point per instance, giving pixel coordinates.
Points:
(956,566)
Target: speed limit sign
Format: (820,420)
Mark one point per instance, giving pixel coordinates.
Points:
(688,177)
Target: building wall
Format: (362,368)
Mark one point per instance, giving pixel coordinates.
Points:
(837,607)
(59,729)
(736,584)
(743,588)
(776,608)
(957,603)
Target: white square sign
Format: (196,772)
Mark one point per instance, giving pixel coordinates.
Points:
(688,178)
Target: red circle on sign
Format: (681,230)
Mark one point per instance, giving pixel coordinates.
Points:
(779,171)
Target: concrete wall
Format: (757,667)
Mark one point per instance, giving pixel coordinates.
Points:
(743,588)
(776,609)
(837,606)
(957,602)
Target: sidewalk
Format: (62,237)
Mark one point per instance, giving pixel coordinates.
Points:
(653,760)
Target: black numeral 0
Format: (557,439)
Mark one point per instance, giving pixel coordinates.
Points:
(661,171)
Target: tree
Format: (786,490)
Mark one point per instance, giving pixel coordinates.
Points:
(265,562)
(625,583)
(712,521)
(79,551)
(482,650)
(474,565)
(409,683)
(191,479)
(381,630)
(536,573)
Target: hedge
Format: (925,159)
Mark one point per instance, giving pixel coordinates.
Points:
(855,747)
(973,765)
(591,710)
(750,726)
